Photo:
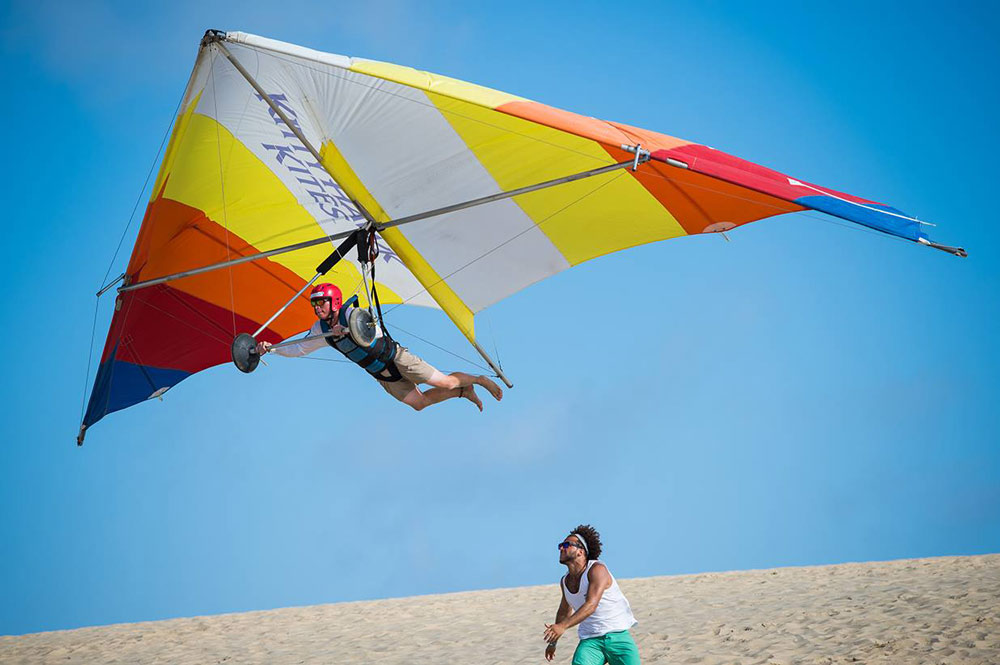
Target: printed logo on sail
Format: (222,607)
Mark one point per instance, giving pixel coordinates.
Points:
(300,163)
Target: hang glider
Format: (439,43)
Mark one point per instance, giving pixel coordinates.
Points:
(279,152)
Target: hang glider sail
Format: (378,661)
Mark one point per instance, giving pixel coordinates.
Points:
(279,152)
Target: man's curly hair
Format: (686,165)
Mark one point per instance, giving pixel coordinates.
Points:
(592,538)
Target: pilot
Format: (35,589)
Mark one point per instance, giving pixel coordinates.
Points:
(396,369)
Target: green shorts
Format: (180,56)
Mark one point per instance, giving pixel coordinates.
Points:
(614,648)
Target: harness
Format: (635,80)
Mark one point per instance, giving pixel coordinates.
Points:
(376,358)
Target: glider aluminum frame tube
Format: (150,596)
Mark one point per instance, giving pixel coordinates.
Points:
(290,342)
(107,287)
(235,262)
(489,361)
(500,196)
(286,305)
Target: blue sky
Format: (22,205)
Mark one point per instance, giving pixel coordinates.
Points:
(818,393)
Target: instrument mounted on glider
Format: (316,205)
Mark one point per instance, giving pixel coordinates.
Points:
(469,194)
(359,323)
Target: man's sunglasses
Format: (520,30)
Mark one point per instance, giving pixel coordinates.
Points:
(565,545)
(319,303)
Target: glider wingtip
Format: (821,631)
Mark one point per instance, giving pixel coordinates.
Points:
(957,251)
(212,35)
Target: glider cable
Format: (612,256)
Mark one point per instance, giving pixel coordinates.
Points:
(511,239)
(108,285)
(90,359)
(138,200)
(441,348)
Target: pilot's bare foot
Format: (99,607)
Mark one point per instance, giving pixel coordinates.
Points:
(469,393)
(490,386)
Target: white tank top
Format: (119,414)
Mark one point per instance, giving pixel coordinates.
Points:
(613,612)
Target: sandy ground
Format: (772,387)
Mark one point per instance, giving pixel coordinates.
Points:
(942,610)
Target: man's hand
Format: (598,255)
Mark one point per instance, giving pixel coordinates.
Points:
(262,347)
(550,652)
(553,632)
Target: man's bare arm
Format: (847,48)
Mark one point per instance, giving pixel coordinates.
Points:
(563,612)
(599,580)
(564,609)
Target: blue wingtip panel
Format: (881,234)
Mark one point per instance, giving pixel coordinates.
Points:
(120,384)
(878,217)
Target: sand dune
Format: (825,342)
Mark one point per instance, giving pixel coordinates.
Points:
(941,610)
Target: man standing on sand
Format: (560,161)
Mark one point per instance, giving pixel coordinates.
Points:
(396,369)
(591,600)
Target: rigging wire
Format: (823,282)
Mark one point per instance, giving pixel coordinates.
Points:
(441,348)
(127,341)
(187,306)
(128,310)
(488,252)
(225,341)
(509,240)
(114,257)
(326,360)
(809,213)
(496,350)
(90,360)
(145,184)
(354,291)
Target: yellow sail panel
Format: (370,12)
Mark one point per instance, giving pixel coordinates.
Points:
(442,85)
(436,286)
(583,219)
(216,174)
(180,128)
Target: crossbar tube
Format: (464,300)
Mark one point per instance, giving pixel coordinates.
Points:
(394,223)
(500,196)
(235,262)
(299,340)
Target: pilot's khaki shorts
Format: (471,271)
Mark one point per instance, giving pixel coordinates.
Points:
(414,371)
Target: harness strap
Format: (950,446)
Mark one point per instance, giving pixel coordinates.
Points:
(373,253)
(379,360)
